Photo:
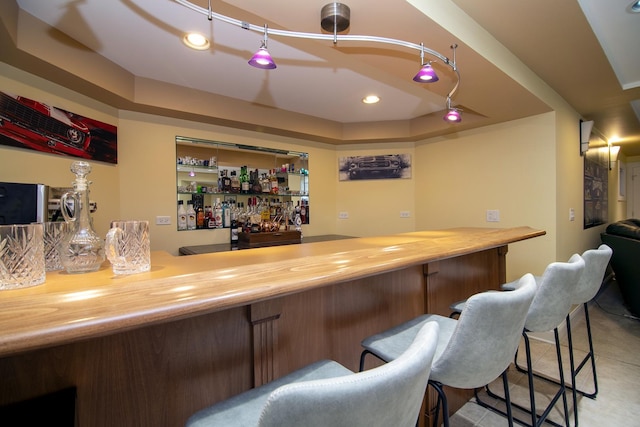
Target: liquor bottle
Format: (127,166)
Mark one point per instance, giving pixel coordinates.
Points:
(297,221)
(255,217)
(235,183)
(199,217)
(233,232)
(182,216)
(266,184)
(226,215)
(226,182)
(191,216)
(217,213)
(256,187)
(274,182)
(244,180)
(265,212)
(287,212)
(303,212)
(273,209)
(209,221)
(241,216)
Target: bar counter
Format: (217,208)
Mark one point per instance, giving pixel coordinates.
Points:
(151,348)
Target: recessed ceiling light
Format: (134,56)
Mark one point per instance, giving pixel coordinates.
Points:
(371,99)
(196,41)
(635,7)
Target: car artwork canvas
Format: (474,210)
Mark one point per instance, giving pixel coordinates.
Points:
(386,166)
(30,124)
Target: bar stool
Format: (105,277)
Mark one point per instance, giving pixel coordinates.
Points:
(328,394)
(550,306)
(472,350)
(596,261)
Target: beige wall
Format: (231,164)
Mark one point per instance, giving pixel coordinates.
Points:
(375,205)
(509,167)
(571,235)
(529,169)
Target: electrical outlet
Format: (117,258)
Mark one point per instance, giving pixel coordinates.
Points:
(572,214)
(493,215)
(163,220)
(405,214)
(343,215)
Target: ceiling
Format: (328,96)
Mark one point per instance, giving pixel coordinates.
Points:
(129,54)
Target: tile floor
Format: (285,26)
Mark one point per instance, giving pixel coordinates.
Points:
(616,340)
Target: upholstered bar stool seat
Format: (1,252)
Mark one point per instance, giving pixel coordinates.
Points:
(328,394)
(473,350)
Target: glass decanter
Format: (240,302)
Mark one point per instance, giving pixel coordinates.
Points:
(82,251)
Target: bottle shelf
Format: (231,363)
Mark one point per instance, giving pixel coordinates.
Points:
(230,165)
(263,195)
(199,169)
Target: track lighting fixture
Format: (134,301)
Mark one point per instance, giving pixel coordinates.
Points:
(262,59)
(426,73)
(335,17)
(453,114)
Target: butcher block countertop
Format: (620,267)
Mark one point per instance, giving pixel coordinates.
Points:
(68,308)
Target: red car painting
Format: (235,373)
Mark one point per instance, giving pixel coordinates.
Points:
(32,124)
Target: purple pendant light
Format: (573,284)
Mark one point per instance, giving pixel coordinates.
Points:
(426,74)
(453,114)
(262,59)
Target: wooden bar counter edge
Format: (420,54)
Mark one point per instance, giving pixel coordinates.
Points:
(67,307)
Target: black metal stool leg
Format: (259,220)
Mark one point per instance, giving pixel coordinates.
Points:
(536,420)
(573,372)
(442,401)
(590,356)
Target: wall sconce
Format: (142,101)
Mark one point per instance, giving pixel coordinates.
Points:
(614,150)
(585,135)
(336,17)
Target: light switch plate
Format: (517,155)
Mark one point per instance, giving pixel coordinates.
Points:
(493,215)
(163,220)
